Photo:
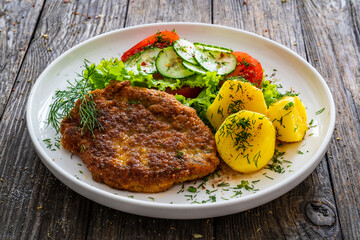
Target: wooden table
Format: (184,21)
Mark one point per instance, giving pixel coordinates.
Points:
(35,205)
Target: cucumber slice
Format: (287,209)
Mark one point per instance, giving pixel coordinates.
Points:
(206,47)
(146,59)
(185,50)
(194,68)
(221,62)
(169,64)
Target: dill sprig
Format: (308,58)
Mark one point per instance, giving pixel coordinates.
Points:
(64,101)
(88,114)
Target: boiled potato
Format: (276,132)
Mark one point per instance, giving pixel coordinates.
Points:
(289,119)
(234,96)
(246,141)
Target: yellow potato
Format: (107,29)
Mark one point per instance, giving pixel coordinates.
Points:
(289,119)
(235,96)
(246,141)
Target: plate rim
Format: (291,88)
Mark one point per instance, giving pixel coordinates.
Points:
(265,195)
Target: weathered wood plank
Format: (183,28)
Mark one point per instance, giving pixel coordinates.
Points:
(17,23)
(334,40)
(107,223)
(141,12)
(33,204)
(292,215)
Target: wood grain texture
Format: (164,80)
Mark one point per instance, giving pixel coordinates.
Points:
(35,205)
(292,215)
(107,223)
(17,24)
(334,41)
(155,11)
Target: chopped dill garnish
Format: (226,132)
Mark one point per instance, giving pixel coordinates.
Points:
(49,145)
(245,185)
(276,165)
(268,176)
(179,154)
(192,189)
(47,142)
(210,192)
(288,105)
(223,184)
(235,106)
(320,111)
(212,198)
(64,101)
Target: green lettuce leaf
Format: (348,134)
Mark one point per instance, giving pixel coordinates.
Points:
(271,93)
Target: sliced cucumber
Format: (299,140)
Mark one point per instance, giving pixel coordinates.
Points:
(169,64)
(185,50)
(146,59)
(206,47)
(194,68)
(221,62)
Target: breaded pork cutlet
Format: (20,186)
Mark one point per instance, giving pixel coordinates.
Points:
(149,140)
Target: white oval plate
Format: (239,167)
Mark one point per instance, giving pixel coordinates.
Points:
(178,203)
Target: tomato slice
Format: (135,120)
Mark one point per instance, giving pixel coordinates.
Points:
(248,68)
(186,91)
(161,39)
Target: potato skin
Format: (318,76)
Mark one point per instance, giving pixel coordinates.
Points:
(235,96)
(289,118)
(246,141)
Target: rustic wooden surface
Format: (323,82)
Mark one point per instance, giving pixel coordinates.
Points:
(35,205)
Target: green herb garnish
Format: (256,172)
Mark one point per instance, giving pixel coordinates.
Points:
(320,111)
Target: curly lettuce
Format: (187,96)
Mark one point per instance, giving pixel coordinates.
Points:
(271,93)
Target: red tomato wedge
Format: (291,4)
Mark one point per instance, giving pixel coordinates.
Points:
(186,91)
(161,39)
(248,68)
